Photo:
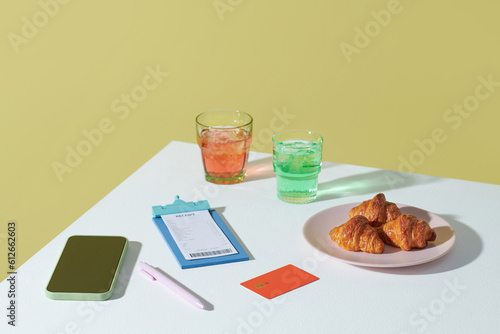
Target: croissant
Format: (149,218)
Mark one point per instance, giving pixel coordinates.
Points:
(357,235)
(377,210)
(406,232)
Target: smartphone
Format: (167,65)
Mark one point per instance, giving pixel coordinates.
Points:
(88,268)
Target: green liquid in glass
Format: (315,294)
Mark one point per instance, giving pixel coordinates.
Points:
(297,164)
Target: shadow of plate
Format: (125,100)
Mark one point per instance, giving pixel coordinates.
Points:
(468,246)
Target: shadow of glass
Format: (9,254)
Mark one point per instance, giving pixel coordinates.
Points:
(129,263)
(259,169)
(467,248)
(368,183)
(219,211)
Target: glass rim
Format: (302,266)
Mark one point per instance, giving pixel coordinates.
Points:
(217,126)
(320,141)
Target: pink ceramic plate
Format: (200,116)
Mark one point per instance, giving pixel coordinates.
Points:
(316,231)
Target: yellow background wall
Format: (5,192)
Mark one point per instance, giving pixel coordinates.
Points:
(402,85)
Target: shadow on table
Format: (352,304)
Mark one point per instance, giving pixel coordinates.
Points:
(468,246)
(219,211)
(367,183)
(129,263)
(259,169)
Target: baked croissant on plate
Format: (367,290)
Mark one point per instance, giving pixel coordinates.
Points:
(377,210)
(406,232)
(357,235)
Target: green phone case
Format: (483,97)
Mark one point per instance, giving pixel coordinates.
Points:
(88,268)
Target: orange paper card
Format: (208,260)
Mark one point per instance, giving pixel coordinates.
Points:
(279,281)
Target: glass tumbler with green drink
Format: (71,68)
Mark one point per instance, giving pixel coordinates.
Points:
(297,163)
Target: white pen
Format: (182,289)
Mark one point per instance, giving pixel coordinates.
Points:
(156,275)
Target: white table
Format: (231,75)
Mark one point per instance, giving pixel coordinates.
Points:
(457,293)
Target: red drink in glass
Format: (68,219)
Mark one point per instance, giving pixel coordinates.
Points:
(224,153)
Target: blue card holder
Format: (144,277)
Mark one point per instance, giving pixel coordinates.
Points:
(179,206)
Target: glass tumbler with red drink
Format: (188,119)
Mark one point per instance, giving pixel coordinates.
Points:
(224,137)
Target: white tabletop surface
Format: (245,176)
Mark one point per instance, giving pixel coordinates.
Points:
(457,293)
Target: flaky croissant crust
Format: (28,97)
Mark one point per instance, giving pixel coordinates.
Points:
(377,210)
(407,232)
(357,235)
